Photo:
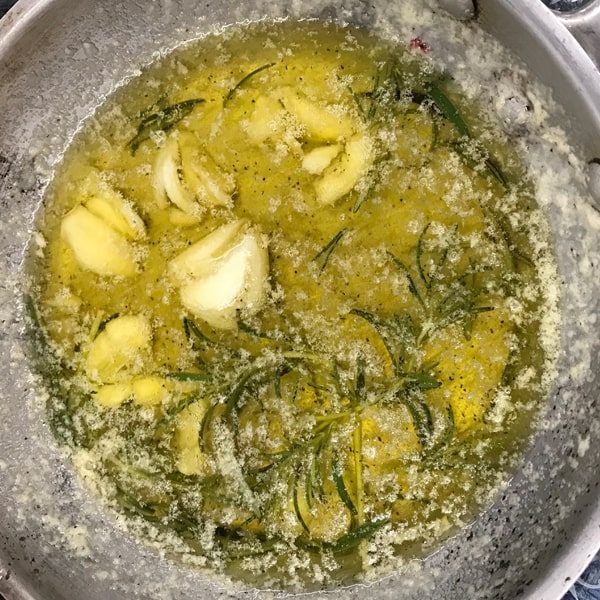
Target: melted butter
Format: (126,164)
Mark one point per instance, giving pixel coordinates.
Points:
(370,406)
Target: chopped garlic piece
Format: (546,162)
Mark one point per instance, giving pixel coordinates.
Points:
(318,159)
(166,180)
(320,123)
(102,200)
(116,213)
(96,245)
(182,219)
(202,175)
(266,121)
(149,391)
(190,459)
(119,349)
(184,174)
(113,394)
(341,177)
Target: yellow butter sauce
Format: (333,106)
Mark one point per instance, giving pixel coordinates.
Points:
(293,303)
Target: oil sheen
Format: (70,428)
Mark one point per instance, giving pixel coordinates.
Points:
(291,298)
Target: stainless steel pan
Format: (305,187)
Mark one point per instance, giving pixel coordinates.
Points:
(58,60)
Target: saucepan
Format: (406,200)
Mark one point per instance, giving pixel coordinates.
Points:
(60,58)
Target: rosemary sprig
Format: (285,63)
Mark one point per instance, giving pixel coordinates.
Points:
(385,90)
(412,288)
(162,120)
(250,330)
(445,437)
(443,304)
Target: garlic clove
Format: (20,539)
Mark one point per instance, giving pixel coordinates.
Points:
(150,390)
(166,180)
(102,200)
(198,259)
(266,121)
(214,297)
(238,282)
(257,271)
(96,245)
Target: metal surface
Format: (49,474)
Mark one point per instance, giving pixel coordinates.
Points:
(584,24)
(567,6)
(540,532)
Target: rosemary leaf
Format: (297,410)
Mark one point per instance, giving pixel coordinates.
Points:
(243,81)
(481,309)
(357,449)
(379,325)
(337,378)
(421,416)
(424,381)
(205,424)
(496,172)
(420,269)
(328,249)
(342,491)
(235,393)
(279,373)
(105,322)
(412,288)
(295,488)
(355,536)
(254,332)
(448,109)
(162,121)
(445,437)
(277,385)
(46,361)
(360,388)
(491,166)
(308,484)
(314,481)
(358,103)
(316,476)
(190,328)
(359,202)
(133,506)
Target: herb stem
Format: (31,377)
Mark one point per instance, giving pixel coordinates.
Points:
(358,472)
(243,81)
